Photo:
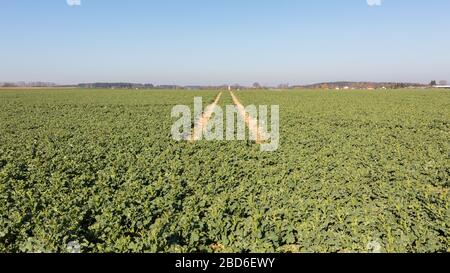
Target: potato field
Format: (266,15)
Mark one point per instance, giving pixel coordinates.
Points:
(355,171)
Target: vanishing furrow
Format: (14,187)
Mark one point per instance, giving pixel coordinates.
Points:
(201,123)
(252,124)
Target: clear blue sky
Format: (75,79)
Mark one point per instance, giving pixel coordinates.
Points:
(224,41)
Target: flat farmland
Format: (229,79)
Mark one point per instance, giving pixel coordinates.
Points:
(356,171)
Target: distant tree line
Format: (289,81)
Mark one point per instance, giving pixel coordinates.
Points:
(120,85)
(359,85)
(27,84)
(443,82)
(256,85)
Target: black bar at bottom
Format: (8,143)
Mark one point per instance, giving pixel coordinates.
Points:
(224,262)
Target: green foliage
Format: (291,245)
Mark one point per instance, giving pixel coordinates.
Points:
(356,171)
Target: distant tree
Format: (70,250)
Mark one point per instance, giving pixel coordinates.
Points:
(256,85)
(400,85)
(433,83)
(7,84)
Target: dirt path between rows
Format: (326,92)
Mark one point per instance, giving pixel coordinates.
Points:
(252,124)
(201,123)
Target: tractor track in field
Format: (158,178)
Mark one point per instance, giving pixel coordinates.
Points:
(251,123)
(201,123)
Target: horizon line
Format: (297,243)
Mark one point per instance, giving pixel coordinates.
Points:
(215,84)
